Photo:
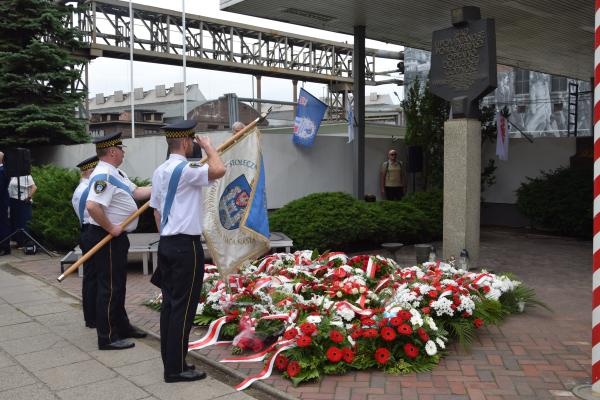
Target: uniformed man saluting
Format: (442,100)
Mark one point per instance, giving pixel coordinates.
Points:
(111,200)
(88,289)
(177,202)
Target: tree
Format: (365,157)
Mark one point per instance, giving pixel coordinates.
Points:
(37,68)
(425,115)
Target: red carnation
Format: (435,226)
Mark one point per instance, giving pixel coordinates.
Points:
(339,273)
(396,321)
(432,293)
(290,334)
(368,321)
(478,323)
(423,335)
(382,356)
(347,355)
(405,315)
(405,329)
(388,334)
(308,328)
(370,333)
(281,362)
(293,368)
(336,336)
(334,354)
(304,341)
(411,350)
(425,310)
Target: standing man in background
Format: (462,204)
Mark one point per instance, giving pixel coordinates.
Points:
(392,177)
(89,286)
(111,200)
(4,201)
(177,201)
(21,190)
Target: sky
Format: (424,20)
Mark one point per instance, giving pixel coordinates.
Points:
(107,75)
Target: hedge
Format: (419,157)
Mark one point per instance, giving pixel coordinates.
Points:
(336,221)
(559,201)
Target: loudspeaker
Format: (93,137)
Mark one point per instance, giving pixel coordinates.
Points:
(415,159)
(17,162)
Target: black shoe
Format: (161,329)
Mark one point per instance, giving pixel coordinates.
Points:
(135,333)
(117,345)
(185,376)
(91,325)
(190,367)
(4,252)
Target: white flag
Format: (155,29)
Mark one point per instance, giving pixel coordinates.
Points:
(350,116)
(502,138)
(236,227)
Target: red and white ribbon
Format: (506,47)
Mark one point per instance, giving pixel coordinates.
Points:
(365,312)
(371,268)
(261,283)
(596,239)
(381,284)
(261,355)
(212,335)
(266,372)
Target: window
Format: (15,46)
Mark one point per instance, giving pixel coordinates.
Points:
(558,84)
(557,107)
(521,109)
(521,81)
(212,127)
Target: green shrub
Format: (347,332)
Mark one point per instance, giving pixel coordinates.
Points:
(54,221)
(559,201)
(146,222)
(336,221)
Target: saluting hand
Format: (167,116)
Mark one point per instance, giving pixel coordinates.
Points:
(204,142)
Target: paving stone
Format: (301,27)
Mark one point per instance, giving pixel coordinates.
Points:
(31,392)
(32,344)
(14,376)
(144,373)
(75,374)
(45,308)
(206,389)
(141,352)
(53,357)
(117,388)
(5,360)
(27,329)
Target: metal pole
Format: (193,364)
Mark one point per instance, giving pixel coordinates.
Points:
(184,62)
(258,92)
(131,95)
(295,95)
(359,111)
(596,241)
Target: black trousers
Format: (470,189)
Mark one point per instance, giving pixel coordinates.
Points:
(181,262)
(110,263)
(89,289)
(394,192)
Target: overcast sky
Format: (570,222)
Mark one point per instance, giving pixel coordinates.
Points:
(107,75)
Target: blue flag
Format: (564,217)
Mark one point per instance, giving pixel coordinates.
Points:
(308,118)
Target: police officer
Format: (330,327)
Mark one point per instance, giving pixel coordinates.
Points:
(4,202)
(111,200)
(88,290)
(177,202)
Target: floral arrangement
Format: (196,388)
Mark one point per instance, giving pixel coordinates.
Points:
(308,314)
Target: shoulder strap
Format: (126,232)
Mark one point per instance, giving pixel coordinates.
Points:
(82,200)
(173,182)
(112,180)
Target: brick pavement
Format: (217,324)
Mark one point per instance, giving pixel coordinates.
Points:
(535,355)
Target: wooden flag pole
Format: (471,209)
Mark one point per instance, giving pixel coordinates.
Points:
(221,149)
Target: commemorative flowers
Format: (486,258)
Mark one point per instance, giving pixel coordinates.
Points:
(307,315)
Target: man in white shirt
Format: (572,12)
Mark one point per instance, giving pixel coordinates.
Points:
(89,286)
(111,200)
(21,190)
(177,201)
(4,222)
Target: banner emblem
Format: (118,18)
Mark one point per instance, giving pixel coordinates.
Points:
(233,202)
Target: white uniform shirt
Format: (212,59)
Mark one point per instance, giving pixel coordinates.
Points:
(26,185)
(83,184)
(116,202)
(186,215)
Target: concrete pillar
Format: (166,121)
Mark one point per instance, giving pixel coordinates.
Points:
(358,71)
(295,95)
(258,93)
(462,183)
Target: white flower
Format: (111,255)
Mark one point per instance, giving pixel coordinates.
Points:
(200,309)
(314,319)
(431,323)
(416,319)
(466,304)
(521,306)
(355,290)
(339,294)
(358,271)
(442,306)
(351,341)
(430,348)
(346,313)
(440,343)
(362,289)
(339,323)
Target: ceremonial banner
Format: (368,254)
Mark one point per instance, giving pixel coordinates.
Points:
(502,138)
(350,117)
(308,118)
(236,227)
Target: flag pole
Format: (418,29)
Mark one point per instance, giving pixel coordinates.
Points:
(184,60)
(220,150)
(131,96)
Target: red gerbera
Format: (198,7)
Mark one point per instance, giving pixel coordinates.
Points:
(356,334)
(336,336)
(423,335)
(396,321)
(478,323)
(334,354)
(281,362)
(370,333)
(368,321)
(388,334)
(405,315)
(308,328)
(290,334)
(382,355)
(303,341)
(347,355)
(405,329)
(411,350)
(293,368)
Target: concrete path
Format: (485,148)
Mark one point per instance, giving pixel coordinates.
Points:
(47,353)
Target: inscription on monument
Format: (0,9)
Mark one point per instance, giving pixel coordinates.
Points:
(460,57)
